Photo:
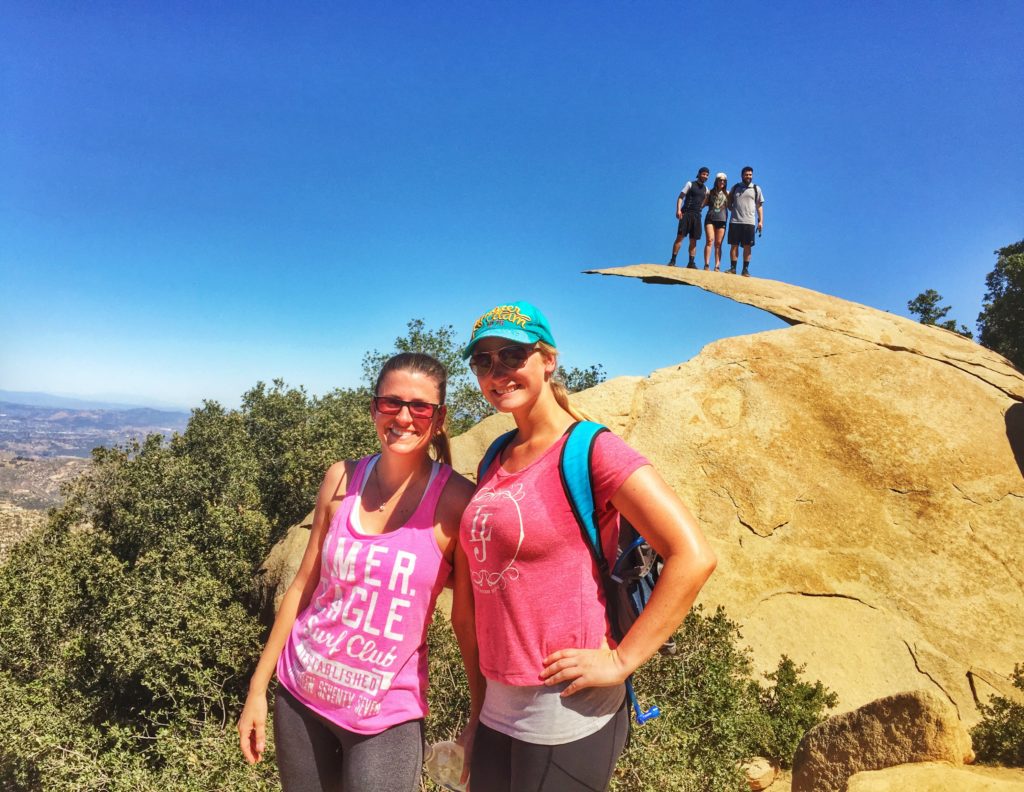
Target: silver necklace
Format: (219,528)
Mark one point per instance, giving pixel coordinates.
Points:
(380,493)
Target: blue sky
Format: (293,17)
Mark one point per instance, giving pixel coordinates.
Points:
(194,198)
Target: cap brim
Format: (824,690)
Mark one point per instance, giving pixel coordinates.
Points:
(512,334)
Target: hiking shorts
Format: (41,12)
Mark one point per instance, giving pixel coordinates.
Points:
(741,234)
(689,225)
(715,224)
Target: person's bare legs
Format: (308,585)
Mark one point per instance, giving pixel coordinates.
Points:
(746,258)
(709,241)
(719,236)
(734,253)
(676,246)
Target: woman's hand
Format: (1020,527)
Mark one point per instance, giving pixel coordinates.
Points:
(252,727)
(585,668)
(465,739)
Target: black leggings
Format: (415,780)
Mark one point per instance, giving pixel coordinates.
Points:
(315,755)
(505,764)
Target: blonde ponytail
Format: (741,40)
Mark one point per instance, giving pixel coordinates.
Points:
(558,388)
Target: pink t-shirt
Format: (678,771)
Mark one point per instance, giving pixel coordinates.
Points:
(357,655)
(535,584)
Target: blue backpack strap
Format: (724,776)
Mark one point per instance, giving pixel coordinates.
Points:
(495,448)
(577,481)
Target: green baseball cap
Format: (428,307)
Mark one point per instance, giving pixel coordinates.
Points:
(521,322)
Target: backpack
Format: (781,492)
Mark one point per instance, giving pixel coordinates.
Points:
(629,581)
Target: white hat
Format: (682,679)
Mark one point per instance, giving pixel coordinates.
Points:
(721,175)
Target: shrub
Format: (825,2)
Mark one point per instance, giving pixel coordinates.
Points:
(999,738)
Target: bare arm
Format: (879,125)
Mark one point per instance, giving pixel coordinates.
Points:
(661,518)
(252,721)
(760,216)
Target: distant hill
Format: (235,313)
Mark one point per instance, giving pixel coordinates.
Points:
(39,399)
(46,431)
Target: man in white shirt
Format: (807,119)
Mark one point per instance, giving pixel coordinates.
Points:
(745,201)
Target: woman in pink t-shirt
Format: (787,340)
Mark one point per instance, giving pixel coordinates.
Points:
(553,716)
(349,640)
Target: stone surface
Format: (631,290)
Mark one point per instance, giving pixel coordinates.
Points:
(759,772)
(917,726)
(938,777)
(859,476)
(279,569)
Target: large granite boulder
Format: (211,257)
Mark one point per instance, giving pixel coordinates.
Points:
(859,476)
(918,726)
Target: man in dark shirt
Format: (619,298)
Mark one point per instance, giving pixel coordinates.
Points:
(688,207)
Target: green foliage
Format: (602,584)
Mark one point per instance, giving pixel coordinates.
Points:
(577,379)
(999,738)
(466,405)
(127,622)
(1001,321)
(791,706)
(926,307)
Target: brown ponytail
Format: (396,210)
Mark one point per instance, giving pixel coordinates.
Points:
(423,363)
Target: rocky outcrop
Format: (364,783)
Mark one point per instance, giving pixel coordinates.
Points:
(859,476)
(280,567)
(938,777)
(909,727)
(759,772)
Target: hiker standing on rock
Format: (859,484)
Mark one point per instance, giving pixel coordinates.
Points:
(714,222)
(745,200)
(554,715)
(689,205)
(349,641)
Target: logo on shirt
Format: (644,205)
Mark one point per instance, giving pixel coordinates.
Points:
(494,569)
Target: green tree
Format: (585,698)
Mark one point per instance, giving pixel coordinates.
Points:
(1001,321)
(999,738)
(577,379)
(926,307)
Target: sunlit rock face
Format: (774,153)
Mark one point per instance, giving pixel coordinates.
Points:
(860,477)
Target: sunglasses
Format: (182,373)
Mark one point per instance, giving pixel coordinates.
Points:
(389,405)
(511,357)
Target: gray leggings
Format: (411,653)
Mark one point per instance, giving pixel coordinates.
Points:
(505,764)
(315,755)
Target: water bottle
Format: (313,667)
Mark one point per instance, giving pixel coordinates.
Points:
(443,762)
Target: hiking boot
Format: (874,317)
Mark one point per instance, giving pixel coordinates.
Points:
(671,262)
(732,270)
(707,266)
(745,273)
(691,265)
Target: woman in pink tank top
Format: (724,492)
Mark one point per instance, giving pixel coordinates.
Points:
(553,718)
(349,639)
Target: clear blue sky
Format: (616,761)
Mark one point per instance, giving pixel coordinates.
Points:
(194,197)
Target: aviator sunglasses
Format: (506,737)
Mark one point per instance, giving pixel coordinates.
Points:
(511,357)
(389,405)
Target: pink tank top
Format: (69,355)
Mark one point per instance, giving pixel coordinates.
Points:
(357,655)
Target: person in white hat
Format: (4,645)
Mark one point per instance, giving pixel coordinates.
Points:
(715,220)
